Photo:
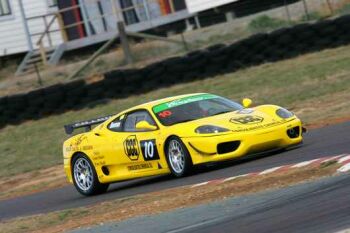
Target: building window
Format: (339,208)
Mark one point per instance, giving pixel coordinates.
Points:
(129,12)
(52,3)
(5,8)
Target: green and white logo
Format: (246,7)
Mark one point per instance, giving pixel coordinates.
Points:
(178,102)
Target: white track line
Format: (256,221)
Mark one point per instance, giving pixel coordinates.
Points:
(303,164)
(342,158)
(344,168)
(267,171)
(200,184)
(234,177)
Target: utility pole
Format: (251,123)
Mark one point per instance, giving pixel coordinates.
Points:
(122,35)
(330,7)
(306,10)
(287,12)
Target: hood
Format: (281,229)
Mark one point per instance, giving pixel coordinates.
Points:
(238,121)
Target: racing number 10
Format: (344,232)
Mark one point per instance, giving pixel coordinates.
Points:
(149,150)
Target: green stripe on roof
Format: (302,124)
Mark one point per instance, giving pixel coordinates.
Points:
(182,101)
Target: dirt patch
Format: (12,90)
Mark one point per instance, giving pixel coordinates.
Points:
(324,111)
(32,182)
(158,202)
(323,123)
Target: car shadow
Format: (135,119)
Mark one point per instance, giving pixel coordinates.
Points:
(198,170)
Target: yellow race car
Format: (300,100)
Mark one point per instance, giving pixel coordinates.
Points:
(170,136)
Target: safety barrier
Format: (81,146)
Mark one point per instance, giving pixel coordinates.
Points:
(218,59)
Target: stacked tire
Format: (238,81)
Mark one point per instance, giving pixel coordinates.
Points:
(217,59)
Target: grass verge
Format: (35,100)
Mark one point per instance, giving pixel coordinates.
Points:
(158,202)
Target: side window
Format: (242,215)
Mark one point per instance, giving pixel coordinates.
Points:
(117,124)
(133,118)
(5,8)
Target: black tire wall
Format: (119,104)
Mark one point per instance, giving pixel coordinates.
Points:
(218,59)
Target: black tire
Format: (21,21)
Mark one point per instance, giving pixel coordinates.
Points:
(90,189)
(187,161)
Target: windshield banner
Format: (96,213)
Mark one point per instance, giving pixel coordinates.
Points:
(178,102)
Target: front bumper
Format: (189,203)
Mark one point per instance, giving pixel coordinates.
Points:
(204,149)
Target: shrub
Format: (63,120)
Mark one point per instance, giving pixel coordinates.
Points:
(312,16)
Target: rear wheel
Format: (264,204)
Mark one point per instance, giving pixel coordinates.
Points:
(85,178)
(178,157)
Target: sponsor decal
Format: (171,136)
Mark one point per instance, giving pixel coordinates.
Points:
(79,140)
(100,163)
(140,166)
(162,107)
(262,126)
(114,125)
(99,157)
(99,160)
(79,148)
(91,122)
(88,147)
(149,150)
(247,120)
(131,147)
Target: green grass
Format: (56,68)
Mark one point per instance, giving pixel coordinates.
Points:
(266,23)
(315,83)
(314,15)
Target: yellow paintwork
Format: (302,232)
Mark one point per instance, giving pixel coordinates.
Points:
(105,148)
(246,102)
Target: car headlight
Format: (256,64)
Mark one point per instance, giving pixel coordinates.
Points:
(284,113)
(210,129)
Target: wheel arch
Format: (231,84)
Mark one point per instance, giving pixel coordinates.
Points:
(167,141)
(76,154)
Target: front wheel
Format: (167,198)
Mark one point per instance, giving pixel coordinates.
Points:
(85,178)
(178,157)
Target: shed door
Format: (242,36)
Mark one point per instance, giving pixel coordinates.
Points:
(70,17)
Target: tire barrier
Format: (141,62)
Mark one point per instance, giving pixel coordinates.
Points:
(281,44)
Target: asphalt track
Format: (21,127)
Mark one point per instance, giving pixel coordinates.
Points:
(332,140)
(320,206)
(317,207)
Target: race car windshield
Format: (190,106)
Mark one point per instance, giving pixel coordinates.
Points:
(193,108)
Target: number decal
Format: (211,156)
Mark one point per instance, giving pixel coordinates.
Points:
(149,150)
(165,114)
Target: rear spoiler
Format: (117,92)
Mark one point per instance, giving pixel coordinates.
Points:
(85,124)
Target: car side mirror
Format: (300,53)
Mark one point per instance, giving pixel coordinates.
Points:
(247,102)
(144,125)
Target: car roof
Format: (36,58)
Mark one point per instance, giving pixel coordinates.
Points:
(151,104)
